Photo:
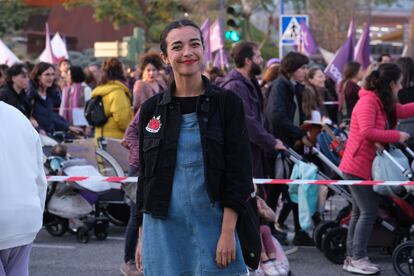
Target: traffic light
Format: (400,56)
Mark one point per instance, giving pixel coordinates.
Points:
(235,22)
(232,36)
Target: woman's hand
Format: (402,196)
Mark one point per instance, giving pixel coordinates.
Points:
(125,144)
(138,252)
(34,122)
(76,130)
(264,210)
(226,246)
(404,136)
(226,249)
(306,141)
(279,145)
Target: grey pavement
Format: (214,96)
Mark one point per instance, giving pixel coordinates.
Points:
(64,256)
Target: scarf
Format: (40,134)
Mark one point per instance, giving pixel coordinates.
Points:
(73,97)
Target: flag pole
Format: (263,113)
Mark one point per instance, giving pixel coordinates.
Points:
(281,12)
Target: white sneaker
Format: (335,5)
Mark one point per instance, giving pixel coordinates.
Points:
(346,263)
(371,263)
(279,266)
(362,266)
(269,269)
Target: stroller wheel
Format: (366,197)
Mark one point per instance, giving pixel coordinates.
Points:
(118,214)
(57,227)
(403,258)
(82,235)
(320,231)
(100,230)
(334,244)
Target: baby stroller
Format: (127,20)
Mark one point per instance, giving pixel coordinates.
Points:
(393,225)
(75,201)
(403,254)
(115,202)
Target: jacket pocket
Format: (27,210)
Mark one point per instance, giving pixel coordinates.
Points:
(215,149)
(150,149)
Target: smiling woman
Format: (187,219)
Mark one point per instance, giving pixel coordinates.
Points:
(187,203)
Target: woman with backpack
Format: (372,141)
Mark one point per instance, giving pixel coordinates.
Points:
(195,169)
(115,97)
(372,123)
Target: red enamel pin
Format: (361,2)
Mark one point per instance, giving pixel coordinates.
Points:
(154,125)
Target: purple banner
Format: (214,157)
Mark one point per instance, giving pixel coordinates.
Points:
(344,55)
(305,42)
(205,29)
(362,48)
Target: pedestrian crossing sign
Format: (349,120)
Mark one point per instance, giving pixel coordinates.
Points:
(290,28)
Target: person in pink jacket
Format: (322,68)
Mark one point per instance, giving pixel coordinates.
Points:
(372,123)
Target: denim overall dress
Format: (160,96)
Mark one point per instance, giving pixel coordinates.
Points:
(185,243)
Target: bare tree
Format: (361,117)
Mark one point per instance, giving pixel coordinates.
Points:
(410,43)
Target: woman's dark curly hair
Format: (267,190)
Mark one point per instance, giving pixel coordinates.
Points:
(380,82)
(150,58)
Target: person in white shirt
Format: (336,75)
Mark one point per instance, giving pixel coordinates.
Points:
(22,190)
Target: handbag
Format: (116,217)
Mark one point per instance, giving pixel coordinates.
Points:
(248,223)
(384,169)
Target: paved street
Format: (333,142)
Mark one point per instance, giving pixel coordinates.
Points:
(64,256)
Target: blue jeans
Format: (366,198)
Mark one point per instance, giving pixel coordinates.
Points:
(364,214)
(131,231)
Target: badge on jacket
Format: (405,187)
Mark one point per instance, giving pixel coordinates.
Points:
(154,125)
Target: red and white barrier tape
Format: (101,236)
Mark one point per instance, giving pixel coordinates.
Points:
(259,181)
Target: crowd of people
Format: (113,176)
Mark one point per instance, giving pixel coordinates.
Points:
(197,135)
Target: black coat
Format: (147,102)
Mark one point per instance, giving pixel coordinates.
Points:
(225,145)
(280,110)
(406,95)
(19,101)
(45,111)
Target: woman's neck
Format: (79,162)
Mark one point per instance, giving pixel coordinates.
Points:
(188,86)
(17,89)
(42,90)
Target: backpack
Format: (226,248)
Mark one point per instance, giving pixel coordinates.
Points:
(95,113)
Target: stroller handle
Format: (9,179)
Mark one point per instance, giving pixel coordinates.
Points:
(327,162)
(408,150)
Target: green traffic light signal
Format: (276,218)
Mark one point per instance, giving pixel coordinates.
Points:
(232,36)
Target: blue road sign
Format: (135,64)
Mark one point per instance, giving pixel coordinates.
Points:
(290,27)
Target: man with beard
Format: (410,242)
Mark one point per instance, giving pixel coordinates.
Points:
(242,81)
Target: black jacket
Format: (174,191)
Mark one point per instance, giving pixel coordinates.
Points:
(19,101)
(280,110)
(406,95)
(225,143)
(45,110)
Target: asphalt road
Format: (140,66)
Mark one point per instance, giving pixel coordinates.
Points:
(64,256)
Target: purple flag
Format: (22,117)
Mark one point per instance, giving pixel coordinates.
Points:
(216,37)
(344,55)
(221,60)
(305,42)
(205,29)
(362,48)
